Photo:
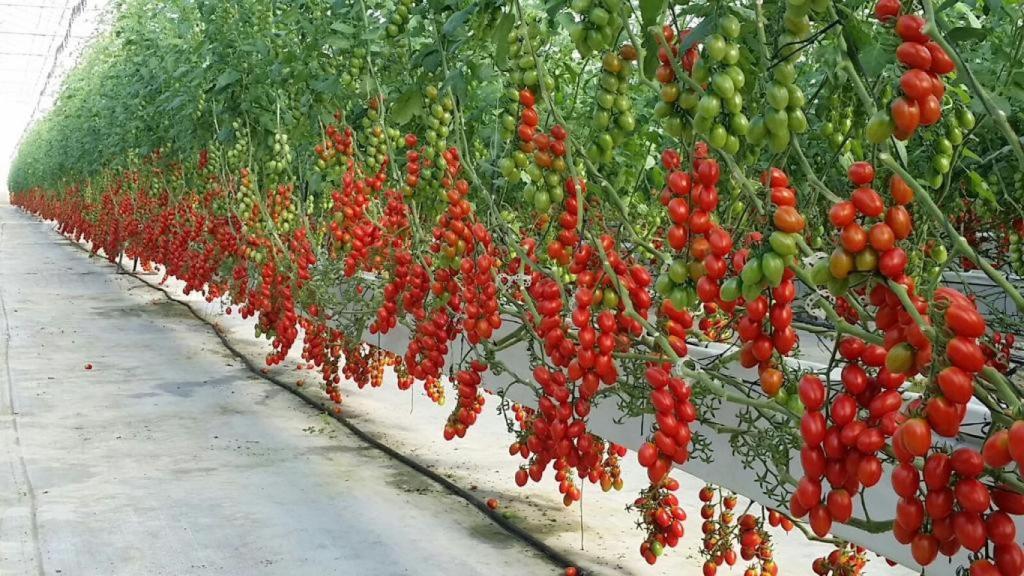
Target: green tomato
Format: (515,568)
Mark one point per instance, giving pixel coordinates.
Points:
(677,271)
(709,107)
(879,127)
(772,267)
(688,100)
(777,121)
(939,254)
(796,96)
(729,25)
(734,104)
(738,124)
(779,141)
(730,289)
(664,285)
(778,96)
(715,48)
(820,273)
(718,136)
(739,79)
(732,145)
(783,243)
(784,73)
(941,163)
(732,54)
(722,84)
(752,273)
(797,121)
(965,119)
(681,298)
(758,131)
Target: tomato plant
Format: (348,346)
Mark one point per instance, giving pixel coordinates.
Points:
(563,200)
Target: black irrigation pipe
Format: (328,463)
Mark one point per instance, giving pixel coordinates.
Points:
(532,541)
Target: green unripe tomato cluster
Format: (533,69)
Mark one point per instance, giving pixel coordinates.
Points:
(613,109)
(524,71)
(718,113)
(400,18)
(599,24)
(356,63)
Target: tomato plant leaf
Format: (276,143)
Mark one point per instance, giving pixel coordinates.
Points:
(407,106)
(650,10)
(227,78)
(458,20)
(500,39)
(965,33)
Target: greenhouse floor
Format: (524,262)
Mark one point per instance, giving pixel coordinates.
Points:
(169,457)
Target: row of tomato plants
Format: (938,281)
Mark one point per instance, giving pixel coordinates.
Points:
(607,286)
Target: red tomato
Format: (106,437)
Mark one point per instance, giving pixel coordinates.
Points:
(965,321)
(840,505)
(930,110)
(774,178)
(679,183)
(868,202)
(939,504)
(996,450)
(1017,443)
(881,237)
(899,220)
(1009,558)
(967,462)
(906,116)
(861,173)
(905,480)
(893,263)
(1000,528)
(788,219)
(984,568)
(869,471)
(956,384)
(783,196)
(916,84)
(972,495)
(853,238)
(924,548)
(970,530)
(821,521)
(917,436)
(812,392)
(965,353)
(914,55)
(941,62)
(937,471)
(942,416)
(842,214)
(812,428)
(901,192)
(910,28)
(887,10)
(910,513)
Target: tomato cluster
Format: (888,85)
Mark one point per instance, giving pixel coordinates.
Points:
(613,112)
(723,532)
(921,84)
(873,249)
(848,560)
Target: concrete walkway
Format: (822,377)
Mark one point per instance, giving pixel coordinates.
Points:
(168,457)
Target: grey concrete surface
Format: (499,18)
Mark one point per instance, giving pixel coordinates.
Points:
(168,457)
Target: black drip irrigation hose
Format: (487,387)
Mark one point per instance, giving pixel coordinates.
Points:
(532,541)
